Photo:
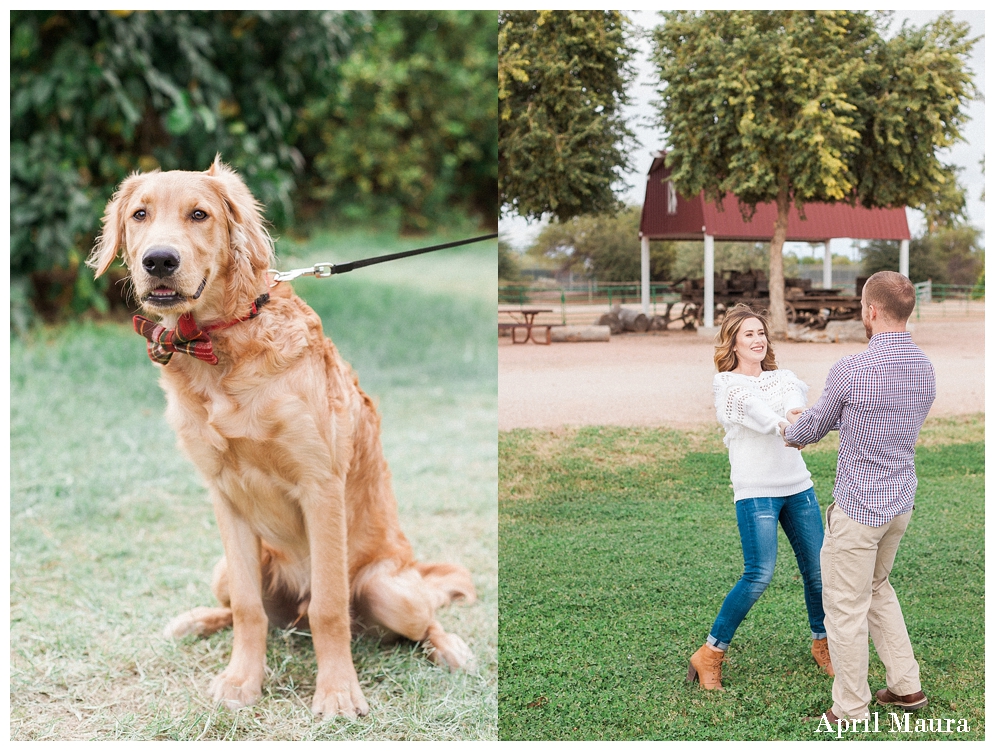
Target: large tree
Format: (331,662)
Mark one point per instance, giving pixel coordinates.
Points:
(562,80)
(789,107)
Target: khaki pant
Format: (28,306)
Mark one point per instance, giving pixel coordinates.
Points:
(857,596)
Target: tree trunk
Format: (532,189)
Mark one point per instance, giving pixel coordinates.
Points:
(778,318)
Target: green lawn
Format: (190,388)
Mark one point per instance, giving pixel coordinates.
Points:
(112,534)
(617,547)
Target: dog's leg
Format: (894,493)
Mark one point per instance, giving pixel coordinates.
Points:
(241,682)
(404,602)
(337,691)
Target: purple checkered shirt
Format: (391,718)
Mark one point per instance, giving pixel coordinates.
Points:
(878,400)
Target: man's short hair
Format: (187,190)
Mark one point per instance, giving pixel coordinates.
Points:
(891,293)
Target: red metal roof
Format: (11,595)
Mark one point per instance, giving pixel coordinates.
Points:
(667,216)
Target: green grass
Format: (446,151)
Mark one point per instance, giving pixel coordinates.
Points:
(618,545)
(112,534)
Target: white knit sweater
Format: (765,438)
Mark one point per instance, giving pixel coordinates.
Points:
(751,410)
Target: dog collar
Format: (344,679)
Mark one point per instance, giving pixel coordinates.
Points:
(187,337)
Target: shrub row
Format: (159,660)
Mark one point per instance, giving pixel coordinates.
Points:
(327,114)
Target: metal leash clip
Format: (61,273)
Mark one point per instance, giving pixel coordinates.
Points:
(319,270)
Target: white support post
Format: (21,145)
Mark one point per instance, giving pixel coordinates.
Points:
(903,258)
(827,266)
(644,260)
(709,313)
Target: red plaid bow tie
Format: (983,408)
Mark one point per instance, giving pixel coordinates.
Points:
(186,337)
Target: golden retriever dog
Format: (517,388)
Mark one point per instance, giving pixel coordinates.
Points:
(286,441)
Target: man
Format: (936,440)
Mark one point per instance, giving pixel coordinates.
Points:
(878,400)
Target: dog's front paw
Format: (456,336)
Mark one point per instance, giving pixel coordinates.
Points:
(235,691)
(345,700)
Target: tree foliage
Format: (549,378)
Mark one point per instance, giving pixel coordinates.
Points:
(563,142)
(507,263)
(325,113)
(798,106)
(604,247)
(952,255)
(412,127)
(948,205)
(911,103)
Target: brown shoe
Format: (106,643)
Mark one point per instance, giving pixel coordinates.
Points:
(706,668)
(910,702)
(828,715)
(820,651)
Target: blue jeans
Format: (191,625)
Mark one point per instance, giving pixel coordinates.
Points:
(758,517)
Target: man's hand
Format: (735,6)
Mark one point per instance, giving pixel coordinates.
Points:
(792,417)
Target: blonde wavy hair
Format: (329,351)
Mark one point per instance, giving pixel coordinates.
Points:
(725,354)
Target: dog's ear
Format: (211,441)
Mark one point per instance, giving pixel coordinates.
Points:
(112,235)
(251,245)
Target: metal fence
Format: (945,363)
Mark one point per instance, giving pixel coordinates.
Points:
(949,300)
(593,292)
(585,293)
(577,302)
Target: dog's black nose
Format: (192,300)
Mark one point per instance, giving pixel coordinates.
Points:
(160,262)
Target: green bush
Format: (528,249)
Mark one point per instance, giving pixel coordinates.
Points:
(413,130)
(948,255)
(325,113)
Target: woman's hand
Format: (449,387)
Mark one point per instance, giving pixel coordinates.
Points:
(793,415)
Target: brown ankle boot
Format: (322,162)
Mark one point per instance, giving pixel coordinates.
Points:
(706,668)
(820,651)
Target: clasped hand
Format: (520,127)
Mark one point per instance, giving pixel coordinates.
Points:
(792,417)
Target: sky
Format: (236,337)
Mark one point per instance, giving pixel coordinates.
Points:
(640,114)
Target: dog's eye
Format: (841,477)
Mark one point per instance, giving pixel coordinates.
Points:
(198,215)
(139,215)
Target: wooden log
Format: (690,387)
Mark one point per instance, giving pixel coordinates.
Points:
(611,320)
(581,333)
(659,323)
(633,320)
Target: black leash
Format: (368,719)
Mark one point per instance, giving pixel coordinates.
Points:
(322,270)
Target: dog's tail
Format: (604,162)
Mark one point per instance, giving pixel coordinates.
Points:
(447,583)
(198,622)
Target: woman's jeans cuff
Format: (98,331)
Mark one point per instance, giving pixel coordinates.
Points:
(712,641)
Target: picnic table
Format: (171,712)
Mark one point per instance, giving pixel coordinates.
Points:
(524,318)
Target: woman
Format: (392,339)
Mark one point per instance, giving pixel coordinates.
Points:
(770,482)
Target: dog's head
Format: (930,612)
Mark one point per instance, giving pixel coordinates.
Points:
(192,241)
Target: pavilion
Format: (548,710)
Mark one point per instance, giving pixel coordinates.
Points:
(669,216)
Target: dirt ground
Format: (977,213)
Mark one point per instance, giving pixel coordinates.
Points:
(666,379)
